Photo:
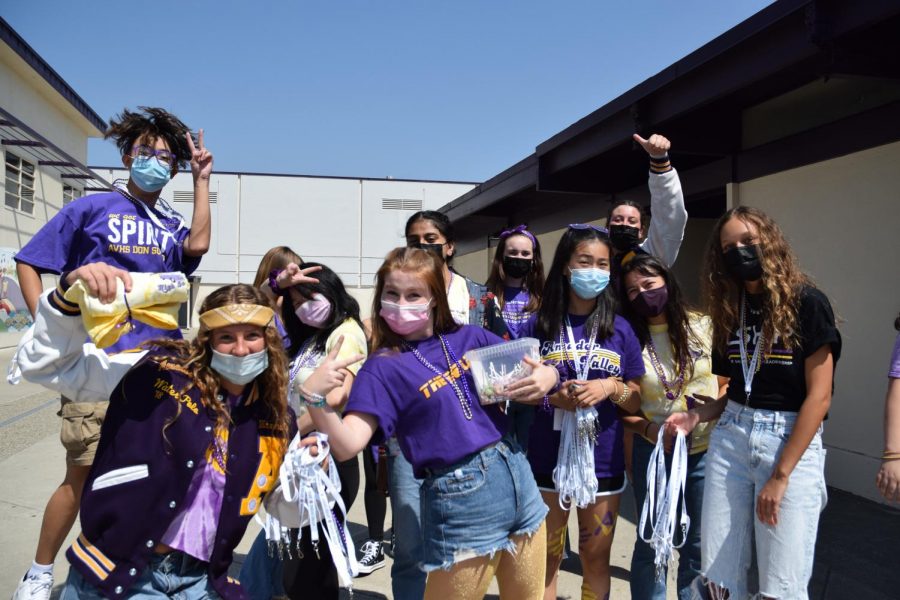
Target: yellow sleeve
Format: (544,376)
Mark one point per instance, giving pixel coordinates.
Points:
(354,343)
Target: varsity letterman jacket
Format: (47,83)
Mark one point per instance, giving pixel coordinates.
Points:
(145,460)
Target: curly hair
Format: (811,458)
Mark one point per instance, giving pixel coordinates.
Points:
(154,123)
(194,356)
(782,282)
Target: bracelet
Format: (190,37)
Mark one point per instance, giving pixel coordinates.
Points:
(623,397)
(887,455)
(312,400)
(646,429)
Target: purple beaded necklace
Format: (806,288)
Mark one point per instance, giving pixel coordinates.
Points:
(463,394)
(673,388)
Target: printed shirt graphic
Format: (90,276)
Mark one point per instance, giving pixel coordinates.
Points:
(514,302)
(111,228)
(654,403)
(617,356)
(419,407)
(780,382)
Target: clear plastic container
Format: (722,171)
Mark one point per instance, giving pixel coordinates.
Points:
(495,367)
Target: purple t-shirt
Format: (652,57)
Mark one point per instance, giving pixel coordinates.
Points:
(514,302)
(114,229)
(616,356)
(895,360)
(418,406)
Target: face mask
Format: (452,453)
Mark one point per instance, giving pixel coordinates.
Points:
(588,283)
(743,263)
(515,267)
(624,237)
(651,303)
(404,319)
(148,174)
(436,249)
(239,369)
(315,312)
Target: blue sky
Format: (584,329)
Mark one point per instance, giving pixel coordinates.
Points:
(454,90)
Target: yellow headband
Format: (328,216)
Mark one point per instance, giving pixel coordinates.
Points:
(236,314)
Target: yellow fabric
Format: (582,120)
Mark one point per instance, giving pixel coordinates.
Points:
(154,299)
(354,343)
(654,403)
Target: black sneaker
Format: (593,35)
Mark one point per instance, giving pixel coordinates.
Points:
(373,557)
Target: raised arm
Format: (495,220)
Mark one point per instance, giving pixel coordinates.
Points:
(197,241)
(669,216)
(54,354)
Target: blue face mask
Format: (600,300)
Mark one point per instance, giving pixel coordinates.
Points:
(588,283)
(239,369)
(148,174)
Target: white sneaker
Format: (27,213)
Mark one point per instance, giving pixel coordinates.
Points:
(34,588)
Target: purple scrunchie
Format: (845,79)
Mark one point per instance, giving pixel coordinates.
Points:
(522,230)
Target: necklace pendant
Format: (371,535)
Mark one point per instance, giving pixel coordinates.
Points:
(670,395)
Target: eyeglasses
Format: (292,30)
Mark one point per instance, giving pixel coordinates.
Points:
(163,157)
(580,226)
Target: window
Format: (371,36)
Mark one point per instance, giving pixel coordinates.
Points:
(70,193)
(19,184)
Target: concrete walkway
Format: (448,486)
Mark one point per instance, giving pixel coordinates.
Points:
(856,554)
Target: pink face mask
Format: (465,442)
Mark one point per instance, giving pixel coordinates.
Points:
(315,312)
(405,319)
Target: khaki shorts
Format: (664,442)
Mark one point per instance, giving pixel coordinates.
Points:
(80,430)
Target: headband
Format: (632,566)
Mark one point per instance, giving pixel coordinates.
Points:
(520,230)
(236,314)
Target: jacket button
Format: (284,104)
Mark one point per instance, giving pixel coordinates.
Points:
(252,504)
(173,504)
(132,571)
(119,589)
(208,428)
(149,543)
(190,464)
(261,481)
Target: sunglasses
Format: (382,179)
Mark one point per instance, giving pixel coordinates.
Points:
(582,226)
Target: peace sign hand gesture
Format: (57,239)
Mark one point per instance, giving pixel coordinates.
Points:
(293,275)
(201,158)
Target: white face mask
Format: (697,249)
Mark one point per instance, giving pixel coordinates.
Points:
(240,369)
(405,319)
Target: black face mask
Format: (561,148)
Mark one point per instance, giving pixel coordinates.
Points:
(516,267)
(624,237)
(436,249)
(743,262)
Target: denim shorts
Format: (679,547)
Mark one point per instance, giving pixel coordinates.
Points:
(743,450)
(473,507)
(172,575)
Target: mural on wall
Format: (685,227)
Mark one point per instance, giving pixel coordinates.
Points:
(14,315)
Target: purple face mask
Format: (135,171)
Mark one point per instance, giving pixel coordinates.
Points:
(315,312)
(651,303)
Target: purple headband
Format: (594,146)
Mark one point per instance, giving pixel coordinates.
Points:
(520,230)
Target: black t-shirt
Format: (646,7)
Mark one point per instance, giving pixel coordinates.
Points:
(780,383)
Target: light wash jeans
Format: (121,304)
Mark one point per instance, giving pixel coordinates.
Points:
(743,450)
(407,578)
(173,575)
(644,585)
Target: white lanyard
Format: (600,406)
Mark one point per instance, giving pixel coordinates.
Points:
(750,369)
(581,371)
(661,503)
(315,491)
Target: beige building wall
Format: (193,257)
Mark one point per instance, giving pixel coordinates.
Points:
(842,219)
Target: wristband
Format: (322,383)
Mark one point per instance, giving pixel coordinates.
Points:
(312,400)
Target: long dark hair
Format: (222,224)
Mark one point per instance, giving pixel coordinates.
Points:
(422,264)
(681,334)
(534,281)
(343,307)
(555,299)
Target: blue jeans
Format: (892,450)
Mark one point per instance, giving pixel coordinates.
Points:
(743,450)
(261,575)
(168,575)
(644,585)
(473,508)
(407,579)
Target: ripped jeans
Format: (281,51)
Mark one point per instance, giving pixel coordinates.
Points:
(473,507)
(743,450)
